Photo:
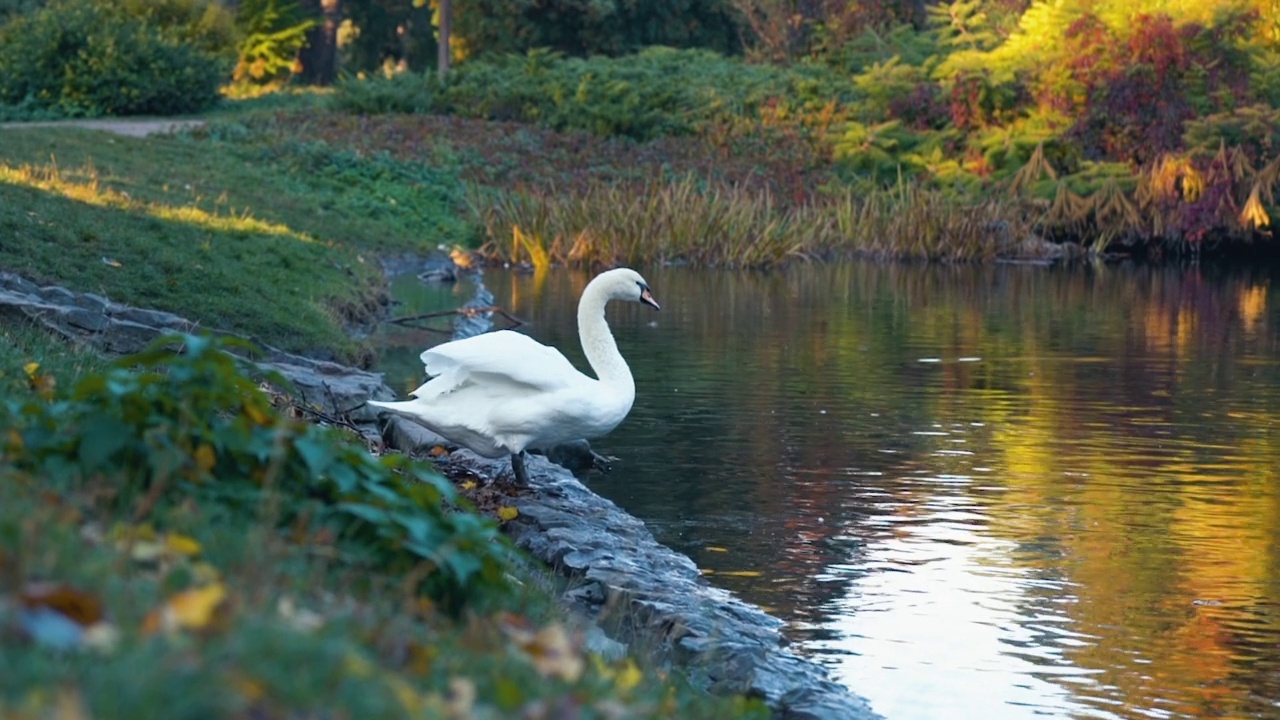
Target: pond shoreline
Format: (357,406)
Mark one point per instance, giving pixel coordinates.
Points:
(622,578)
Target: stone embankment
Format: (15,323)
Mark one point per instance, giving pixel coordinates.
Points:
(116,329)
(639,591)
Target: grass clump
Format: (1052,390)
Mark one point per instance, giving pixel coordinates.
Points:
(172,545)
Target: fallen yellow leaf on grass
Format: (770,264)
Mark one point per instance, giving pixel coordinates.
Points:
(626,675)
(193,609)
(206,458)
(41,383)
(181,544)
(507,514)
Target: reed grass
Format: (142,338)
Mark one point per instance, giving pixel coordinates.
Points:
(718,225)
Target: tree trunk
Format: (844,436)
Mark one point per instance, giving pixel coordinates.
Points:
(446,23)
(319,57)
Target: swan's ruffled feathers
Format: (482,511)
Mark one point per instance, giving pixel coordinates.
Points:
(503,392)
(504,358)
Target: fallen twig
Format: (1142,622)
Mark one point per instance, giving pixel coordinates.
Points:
(410,320)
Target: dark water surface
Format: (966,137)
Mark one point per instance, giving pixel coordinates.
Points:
(998,492)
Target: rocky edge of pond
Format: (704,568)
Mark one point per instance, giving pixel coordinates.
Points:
(639,591)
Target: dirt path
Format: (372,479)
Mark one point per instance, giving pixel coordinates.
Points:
(119,126)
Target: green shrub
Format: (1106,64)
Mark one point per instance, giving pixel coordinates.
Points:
(406,92)
(203,24)
(657,92)
(80,58)
(162,424)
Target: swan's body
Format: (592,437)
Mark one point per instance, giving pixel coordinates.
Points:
(500,393)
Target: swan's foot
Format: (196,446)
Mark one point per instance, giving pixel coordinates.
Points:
(517,469)
(603,463)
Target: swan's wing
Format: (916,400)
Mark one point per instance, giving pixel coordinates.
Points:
(501,358)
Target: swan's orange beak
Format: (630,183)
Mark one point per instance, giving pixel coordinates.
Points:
(646,297)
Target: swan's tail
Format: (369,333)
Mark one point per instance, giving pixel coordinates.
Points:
(406,407)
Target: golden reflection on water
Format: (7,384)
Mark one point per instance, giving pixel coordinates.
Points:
(998,492)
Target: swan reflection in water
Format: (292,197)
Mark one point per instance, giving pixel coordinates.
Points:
(499,393)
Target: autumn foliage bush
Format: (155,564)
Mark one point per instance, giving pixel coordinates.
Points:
(1134,95)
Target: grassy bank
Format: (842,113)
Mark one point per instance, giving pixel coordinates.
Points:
(171,545)
(277,241)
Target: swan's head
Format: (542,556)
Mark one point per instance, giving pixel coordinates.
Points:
(626,284)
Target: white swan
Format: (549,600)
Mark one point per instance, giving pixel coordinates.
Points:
(502,392)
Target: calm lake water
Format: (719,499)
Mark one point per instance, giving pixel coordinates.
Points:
(997,492)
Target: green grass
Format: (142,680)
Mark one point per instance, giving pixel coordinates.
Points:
(23,344)
(276,239)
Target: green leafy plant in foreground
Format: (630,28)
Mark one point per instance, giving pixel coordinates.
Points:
(236,582)
(167,424)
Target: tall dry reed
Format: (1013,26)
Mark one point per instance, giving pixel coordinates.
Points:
(716,225)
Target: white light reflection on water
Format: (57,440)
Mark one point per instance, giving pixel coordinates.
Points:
(935,581)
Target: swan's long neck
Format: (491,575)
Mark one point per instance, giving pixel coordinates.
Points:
(597,341)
